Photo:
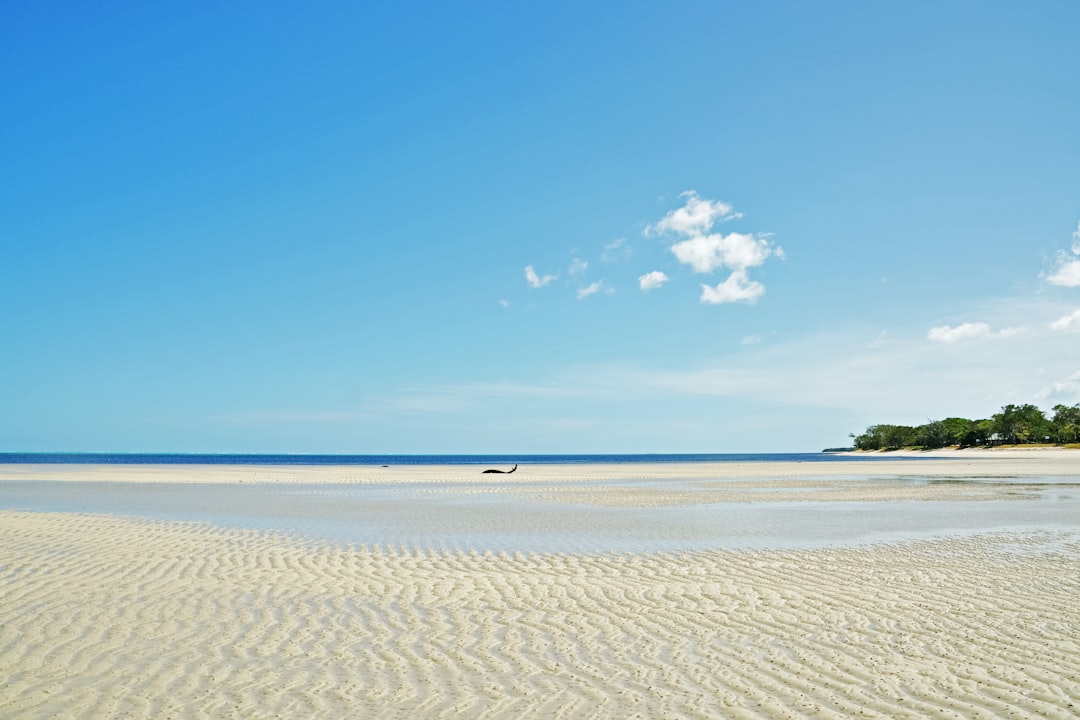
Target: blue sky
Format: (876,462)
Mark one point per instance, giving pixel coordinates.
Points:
(546,227)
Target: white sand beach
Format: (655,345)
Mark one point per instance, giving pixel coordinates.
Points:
(105,616)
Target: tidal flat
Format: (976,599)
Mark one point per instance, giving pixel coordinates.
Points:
(884,589)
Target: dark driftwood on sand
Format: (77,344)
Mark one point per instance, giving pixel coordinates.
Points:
(502,472)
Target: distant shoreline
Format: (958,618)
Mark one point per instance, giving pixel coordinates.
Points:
(1001,451)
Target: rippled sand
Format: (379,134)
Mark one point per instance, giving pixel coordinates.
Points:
(111,617)
(103,616)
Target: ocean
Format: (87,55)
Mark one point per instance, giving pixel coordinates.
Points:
(16,458)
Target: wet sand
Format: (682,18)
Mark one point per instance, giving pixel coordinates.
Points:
(110,616)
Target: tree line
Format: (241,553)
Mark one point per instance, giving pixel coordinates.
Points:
(1014,425)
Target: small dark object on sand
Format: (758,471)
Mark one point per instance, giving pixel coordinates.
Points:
(502,472)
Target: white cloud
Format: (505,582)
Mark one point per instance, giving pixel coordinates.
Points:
(751,340)
(695,217)
(577,266)
(737,288)
(1069,323)
(705,251)
(596,287)
(968,331)
(535,280)
(949,334)
(1065,392)
(505,303)
(1067,273)
(737,251)
(652,280)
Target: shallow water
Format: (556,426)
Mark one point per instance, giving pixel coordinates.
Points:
(483,516)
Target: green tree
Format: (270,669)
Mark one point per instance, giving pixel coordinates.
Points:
(1015,424)
(869,440)
(885,437)
(1065,425)
(1021,424)
(895,437)
(933,434)
(961,431)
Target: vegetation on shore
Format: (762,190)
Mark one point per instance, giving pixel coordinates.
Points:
(1014,425)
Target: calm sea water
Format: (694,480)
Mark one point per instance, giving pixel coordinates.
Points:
(482,516)
(251,459)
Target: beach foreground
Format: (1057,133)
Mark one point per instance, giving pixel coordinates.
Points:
(108,616)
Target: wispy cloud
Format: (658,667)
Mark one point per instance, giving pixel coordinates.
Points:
(1066,391)
(787,392)
(969,331)
(859,375)
(1067,272)
(616,251)
(577,266)
(652,280)
(965,331)
(850,370)
(705,251)
(1069,323)
(593,288)
(536,281)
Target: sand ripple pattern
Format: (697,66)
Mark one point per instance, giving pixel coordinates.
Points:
(112,617)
